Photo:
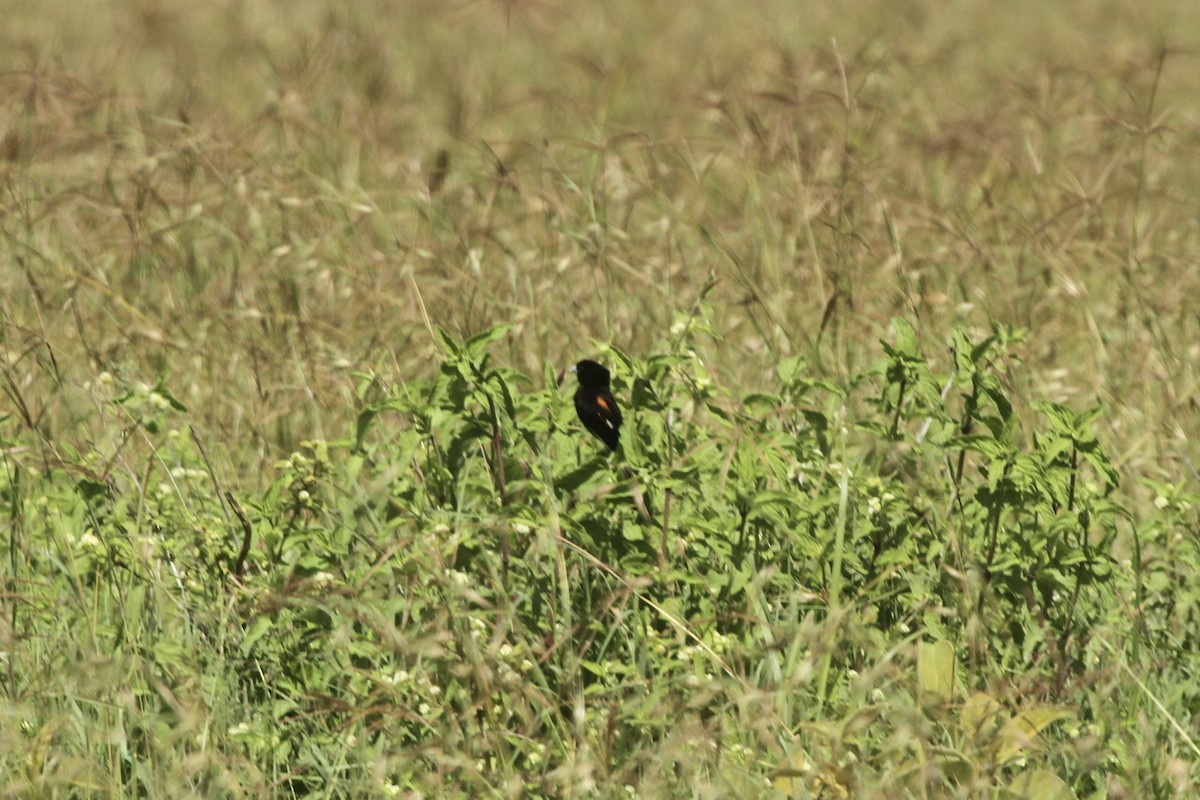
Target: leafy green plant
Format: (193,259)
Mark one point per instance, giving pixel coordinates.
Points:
(466,584)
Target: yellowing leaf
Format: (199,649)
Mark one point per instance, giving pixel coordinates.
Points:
(935,668)
(979,709)
(1038,784)
(1020,733)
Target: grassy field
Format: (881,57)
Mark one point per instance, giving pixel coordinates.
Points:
(900,302)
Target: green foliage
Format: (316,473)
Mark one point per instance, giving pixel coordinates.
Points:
(482,590)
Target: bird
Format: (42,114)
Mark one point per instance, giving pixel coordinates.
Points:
(595,405)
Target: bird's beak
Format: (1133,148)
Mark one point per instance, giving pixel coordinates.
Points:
(572,369)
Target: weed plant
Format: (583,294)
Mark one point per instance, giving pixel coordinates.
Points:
(900,585)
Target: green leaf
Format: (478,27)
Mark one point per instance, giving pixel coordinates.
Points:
(572,480)
(981,349)
(258,628)
(160,389)
(1099,460)
(363,424)
(764,400)
(91,489)
(478,343)
(984,445)
(995,393)
(452,347)
(906,338)
(789,369)
(1062,419)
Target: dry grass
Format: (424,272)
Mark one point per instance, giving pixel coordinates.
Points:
(260,201)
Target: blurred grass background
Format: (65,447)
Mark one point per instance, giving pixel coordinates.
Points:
(260,197)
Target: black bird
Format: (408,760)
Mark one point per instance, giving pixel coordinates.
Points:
(595,405)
